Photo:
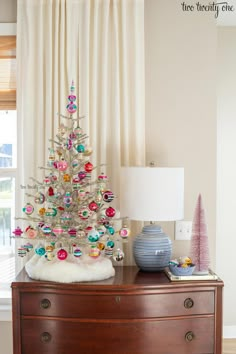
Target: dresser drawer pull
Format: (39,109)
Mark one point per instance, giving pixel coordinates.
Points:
(45,303)
(189,336)
(118,299)
(188,303)
(45,337)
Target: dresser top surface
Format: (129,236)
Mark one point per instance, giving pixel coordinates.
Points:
(125,277)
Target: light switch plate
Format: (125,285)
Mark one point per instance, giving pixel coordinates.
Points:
(183,230)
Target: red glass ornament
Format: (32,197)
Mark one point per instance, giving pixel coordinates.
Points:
(102,177)
(88,167)
(62,254)
(72,232)
(50,192)
(110,212)
(93,206)
(61,208)
(55,164)
(87,229)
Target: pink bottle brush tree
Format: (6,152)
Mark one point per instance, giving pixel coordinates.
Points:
(199,248)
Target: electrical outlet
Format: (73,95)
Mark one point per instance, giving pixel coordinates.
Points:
(183,230)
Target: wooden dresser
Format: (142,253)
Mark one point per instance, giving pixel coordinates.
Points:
(133,313)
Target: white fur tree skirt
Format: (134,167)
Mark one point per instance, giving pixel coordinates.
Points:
(70,270)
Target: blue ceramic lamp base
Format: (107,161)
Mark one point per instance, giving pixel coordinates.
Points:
(152,249)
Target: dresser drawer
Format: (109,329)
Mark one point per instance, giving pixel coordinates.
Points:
(117,305)
(195,336)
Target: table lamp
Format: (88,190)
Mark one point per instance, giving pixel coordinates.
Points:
(152,194)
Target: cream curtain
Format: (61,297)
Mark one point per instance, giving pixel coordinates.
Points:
(100,45)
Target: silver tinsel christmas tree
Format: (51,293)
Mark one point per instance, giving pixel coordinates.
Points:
(70,217)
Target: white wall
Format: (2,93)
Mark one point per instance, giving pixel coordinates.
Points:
(191,122)
(226,196)
(6,346)
(181,103)
(8,10)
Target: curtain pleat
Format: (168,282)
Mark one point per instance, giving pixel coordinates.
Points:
(100,45)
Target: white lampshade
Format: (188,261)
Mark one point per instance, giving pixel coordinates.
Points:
(152,193)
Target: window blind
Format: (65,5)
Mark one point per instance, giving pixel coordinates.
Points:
(7,72)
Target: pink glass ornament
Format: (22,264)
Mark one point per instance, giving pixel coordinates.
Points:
(31,233)
(62,165)
(28,209)
(72,98)
(58,230)
(71,108)
(124,232)
(82,174)
(17,232)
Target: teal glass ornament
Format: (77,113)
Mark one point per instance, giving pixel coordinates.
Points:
(110,244)
(80,148)
(111,230)
(93,236)
(40,251)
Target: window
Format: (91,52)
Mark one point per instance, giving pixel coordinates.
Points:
(7,72)
(8,157)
